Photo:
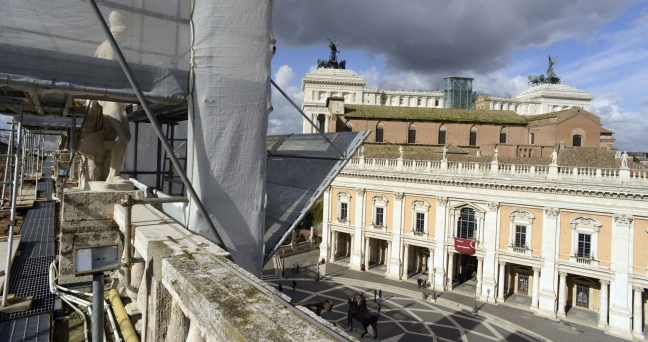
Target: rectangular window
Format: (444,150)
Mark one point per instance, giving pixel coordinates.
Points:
(531,138)
(380,217)
(520,236)
(401,101)
(383,101)
(420,222)
(523,283)
(436,102)
(418,102)
(584,245)
(442,137)
(503,138)
(379,135)
(344,211)
(411,136)
(473,139)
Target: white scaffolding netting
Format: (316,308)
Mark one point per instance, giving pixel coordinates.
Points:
(50,46)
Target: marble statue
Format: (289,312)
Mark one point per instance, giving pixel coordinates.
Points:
(362,151)
(624,160)
(495,155)
(400,152)
(445,150)
(554,158)
(115,127)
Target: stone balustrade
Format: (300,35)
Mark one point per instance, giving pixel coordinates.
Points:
(505,170)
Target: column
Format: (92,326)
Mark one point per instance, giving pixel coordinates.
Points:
(406,261)
(334,246)
(327,122)
(480,273)
(356,254)
(562,294)
(500,282)
(620,287)
(637,313)
(450,272)
(536,288)
(603,304)
(550,244)
(325,245)
(388,256)
(367,254)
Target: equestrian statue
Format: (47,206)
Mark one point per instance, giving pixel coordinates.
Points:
(551,77)
(358,310)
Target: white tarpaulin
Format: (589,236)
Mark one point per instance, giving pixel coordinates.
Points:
(50,46)
(233,46)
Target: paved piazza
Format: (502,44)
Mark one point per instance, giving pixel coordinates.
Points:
(403,318)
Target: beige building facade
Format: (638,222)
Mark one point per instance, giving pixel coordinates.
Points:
(563,237)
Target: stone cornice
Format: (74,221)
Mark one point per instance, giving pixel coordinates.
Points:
(535,187)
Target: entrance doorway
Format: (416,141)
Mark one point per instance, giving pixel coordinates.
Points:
(467,266)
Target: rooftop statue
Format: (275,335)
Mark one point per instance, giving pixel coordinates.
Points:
(332,62)
(551,77)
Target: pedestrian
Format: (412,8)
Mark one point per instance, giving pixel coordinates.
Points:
(380,296)
(293,269)
(424,282)
(297,269)
(375,293)
(418,282)
(280,288)
(294,285)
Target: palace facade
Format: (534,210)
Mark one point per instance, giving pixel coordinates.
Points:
(455,194)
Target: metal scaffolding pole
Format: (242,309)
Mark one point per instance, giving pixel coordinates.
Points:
(10,152)
(12,225)
(154,122)
(21,146)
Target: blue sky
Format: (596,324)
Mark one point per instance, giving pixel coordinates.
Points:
(602,48)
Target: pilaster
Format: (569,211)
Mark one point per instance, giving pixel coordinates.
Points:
(356,254)
(620,289)
(440,255)
(395,260)
(325,245)
(490,246)
(548,281)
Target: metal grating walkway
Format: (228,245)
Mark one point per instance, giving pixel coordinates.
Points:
(33,328)
(45,187)
(30,277)
(47,167)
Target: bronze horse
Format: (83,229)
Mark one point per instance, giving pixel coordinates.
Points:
(358,310)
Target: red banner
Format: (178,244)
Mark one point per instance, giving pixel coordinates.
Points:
(464,246)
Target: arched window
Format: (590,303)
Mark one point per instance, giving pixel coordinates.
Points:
(467,224)
(442,135)
(411,134)
(503,135)
(379,132)
(348,126)
(473,136)
(577,140)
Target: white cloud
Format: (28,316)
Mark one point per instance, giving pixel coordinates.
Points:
(285,118)
(629,127)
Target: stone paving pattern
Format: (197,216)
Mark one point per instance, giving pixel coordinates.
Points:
(405,317)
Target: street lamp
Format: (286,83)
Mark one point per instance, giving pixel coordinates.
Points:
(317,277)
(283,269)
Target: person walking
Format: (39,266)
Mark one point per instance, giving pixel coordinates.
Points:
(280,288)
(418,282)
(294,284)
(297,269)
(375,293)
(380,296)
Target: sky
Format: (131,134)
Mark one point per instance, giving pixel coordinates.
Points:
(601,45)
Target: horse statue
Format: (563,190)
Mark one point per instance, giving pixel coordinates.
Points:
(358,310)
(536,80)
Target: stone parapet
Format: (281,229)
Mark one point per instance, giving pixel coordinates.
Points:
(187,278)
